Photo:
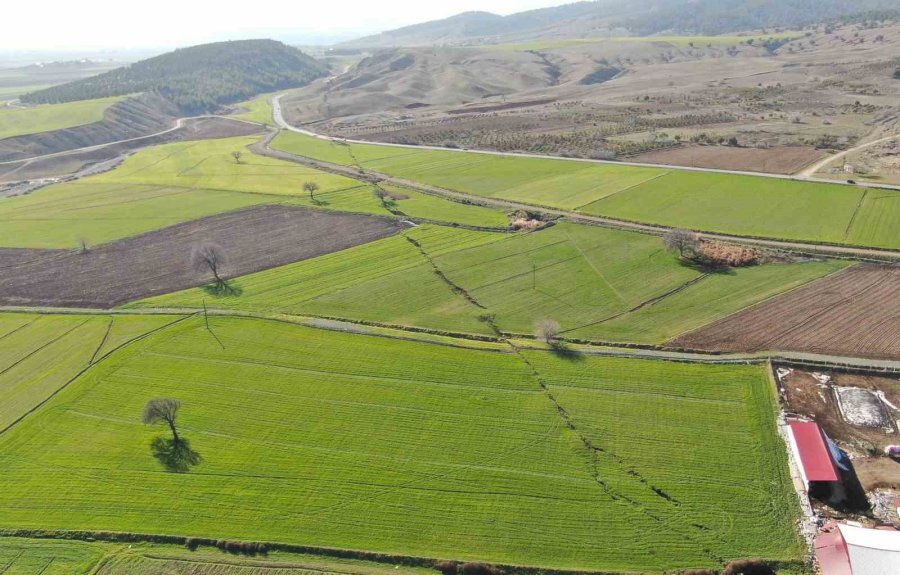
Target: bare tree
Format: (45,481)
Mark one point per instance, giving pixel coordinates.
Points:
(209,256)
(683,241)
(163,410)
(547,330)
(311,188)
(237,157)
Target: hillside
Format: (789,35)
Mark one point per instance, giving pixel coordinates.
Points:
(622,17)
(199,78)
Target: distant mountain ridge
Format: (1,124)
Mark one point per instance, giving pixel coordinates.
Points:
(199,78)
(636,17)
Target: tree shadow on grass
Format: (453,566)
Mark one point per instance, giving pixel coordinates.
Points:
(223,289)
(563,351)
(176,456)
(706,266)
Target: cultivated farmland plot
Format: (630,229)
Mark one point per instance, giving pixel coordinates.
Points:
(599,284)
(41,354)
(163,261)
(21,121)
(32,557)
(853,313)
(725,203)
(175,183)
(301,443)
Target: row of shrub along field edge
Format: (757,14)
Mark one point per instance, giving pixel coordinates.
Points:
(23,121)
(39,354)
(724,203)
(586,278)
(341,440)
(173,183)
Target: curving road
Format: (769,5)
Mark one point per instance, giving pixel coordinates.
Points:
(278,116)
(811,170)
(830,250)
(179,123)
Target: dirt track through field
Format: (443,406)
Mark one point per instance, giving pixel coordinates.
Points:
(853,313)
(160,261)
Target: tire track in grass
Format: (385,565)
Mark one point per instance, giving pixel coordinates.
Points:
(652,301)
(21,327)
(596,269)
(103,341)
(41,347)
(86,368)
(12,562)
(625,189)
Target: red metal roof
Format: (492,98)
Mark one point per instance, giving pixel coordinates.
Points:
(832,553)
(815,456)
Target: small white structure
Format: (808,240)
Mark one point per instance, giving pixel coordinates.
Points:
(848,550)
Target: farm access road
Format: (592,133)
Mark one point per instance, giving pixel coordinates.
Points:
(811,360)
(263,147)
(278,116)
(808,172)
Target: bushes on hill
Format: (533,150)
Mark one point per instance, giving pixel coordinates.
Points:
(199,78)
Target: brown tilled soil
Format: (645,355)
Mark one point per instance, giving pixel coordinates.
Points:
(778,160)
(852,313)
(160,262)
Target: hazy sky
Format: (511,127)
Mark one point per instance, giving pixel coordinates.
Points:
(120,24)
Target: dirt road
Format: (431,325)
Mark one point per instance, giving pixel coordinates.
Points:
(278,116)
(179,123)
(850,252)
(811,170)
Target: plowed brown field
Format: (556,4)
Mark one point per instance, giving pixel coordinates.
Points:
(853,313)
(160,262)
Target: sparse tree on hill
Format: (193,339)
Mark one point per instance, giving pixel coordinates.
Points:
(685,242)
(311,188)
(209,256)
(237,156)
(163,410)
(547,331)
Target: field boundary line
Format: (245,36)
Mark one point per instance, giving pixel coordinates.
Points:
(827,249)
(646,303)
(335,552)
(808,282)
(594,347)
(625,189)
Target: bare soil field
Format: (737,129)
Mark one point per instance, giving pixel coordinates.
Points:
(160,262)
(852,313)
(67,164)
(778,160)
